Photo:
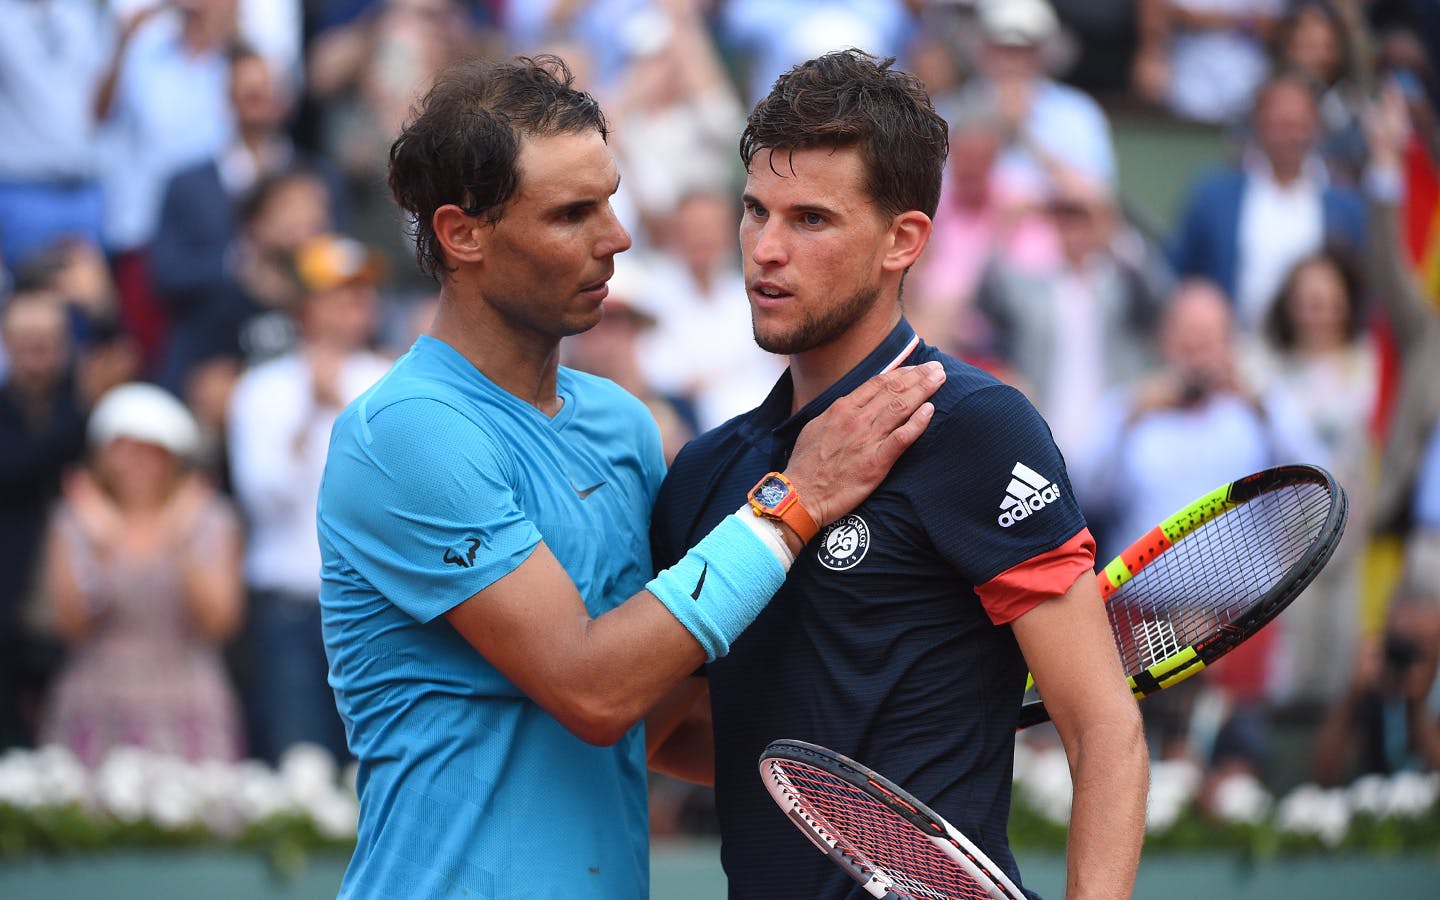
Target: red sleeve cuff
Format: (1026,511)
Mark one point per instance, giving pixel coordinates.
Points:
(1021,588)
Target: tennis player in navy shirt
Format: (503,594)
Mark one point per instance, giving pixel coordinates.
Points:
(904,629)
(494,627)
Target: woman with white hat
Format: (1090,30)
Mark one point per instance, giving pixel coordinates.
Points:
(143,569)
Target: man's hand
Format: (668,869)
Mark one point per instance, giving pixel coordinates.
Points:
(846,452)
(1387,127)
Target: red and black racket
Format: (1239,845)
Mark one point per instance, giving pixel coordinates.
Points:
(892,844)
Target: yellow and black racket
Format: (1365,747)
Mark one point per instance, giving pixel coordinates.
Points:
(892,844)
(1213,574)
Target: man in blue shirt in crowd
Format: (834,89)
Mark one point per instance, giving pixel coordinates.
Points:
(493,630)
(903,632)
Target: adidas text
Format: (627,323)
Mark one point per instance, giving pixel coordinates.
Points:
(1028,492)
(1021,509)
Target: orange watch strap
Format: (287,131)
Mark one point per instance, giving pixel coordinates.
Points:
(799,519)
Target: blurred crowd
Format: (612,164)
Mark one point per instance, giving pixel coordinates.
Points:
(200,265)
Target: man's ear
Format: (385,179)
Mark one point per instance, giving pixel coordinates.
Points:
(908,235)
(460,236)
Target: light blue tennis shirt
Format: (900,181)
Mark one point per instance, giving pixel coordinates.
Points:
(439,483)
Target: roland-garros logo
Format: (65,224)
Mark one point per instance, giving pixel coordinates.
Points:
(1028,493)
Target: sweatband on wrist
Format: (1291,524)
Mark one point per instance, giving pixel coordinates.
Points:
(768,530)
(720,586)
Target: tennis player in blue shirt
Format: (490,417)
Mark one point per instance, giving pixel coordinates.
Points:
(493,628)
(904,629)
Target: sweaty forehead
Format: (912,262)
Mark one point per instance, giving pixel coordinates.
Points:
(561,165)
(808,175)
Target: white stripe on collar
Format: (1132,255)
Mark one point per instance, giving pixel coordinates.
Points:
(909,349)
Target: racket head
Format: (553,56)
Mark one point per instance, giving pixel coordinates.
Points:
(893,845)
(1213,574)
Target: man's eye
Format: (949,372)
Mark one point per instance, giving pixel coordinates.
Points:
(811,218)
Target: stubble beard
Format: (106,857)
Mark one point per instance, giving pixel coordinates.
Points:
(819,328)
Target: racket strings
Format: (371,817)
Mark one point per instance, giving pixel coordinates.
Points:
(1216,574)
(876,839)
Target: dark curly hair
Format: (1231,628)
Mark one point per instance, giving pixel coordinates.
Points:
(463,141)
(1279,325)
(850,98)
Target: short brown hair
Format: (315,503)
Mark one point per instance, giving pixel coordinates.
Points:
(463,141)
(852,99)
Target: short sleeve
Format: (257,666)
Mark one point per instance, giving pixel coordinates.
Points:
(1001,508)
(420,502)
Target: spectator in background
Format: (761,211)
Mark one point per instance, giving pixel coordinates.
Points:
(72,275)
(703,348)
(1104,35)
(1185,429)
(675,118)
(1387,720)
(42,430)
(770,36)
(275,29)
(982,219)
(76,271)
(279,429)
(1203,59)
(1407,495)
(52,58)
(143,571)
(248,316)
(1329,44)
(612,350)
(1406,60)
(1070,334)
(1245,226)
(190,256)
(607,33)
(1318,356)
(1046,124)
(364,74)
(272,28)
(162,106)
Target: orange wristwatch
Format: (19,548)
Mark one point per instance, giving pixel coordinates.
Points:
(774,497)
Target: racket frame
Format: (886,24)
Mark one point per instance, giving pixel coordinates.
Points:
(927,823)
(1192,659)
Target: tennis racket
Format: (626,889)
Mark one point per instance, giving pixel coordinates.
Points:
(1214,573)
(892,844)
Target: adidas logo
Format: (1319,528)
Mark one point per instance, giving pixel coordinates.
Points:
(1028,493)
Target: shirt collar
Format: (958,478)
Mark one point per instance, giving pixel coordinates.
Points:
(773,415)
(1313,172)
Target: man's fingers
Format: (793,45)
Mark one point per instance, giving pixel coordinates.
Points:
(903,392)
(902,387)
(899,382)
(899,440)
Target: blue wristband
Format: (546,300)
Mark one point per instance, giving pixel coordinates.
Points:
(720,586)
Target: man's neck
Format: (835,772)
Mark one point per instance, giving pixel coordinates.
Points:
(1285,176)
(814,371)
(35,403)
(522,363)
(258,142)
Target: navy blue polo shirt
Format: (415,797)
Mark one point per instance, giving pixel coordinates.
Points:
(889,641)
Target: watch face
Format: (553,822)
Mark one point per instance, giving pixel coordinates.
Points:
(771,492)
